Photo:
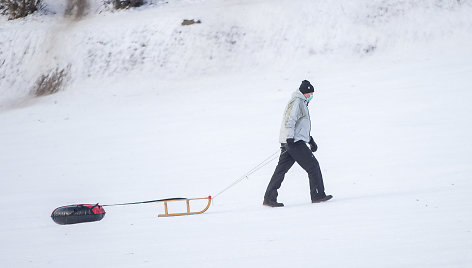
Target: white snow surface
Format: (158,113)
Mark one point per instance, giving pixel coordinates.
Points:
(152,109)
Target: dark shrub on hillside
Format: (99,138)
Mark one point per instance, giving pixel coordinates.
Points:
(120,4)
(77,8)
(50,83)
(186,22)
(19,8)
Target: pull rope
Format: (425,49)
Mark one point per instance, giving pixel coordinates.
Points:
(269,159)
(143,202)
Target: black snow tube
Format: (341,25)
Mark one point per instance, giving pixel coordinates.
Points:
(77,213)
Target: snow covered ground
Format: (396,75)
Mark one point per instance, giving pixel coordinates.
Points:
(155,110)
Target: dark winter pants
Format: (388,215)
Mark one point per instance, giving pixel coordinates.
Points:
(300,153)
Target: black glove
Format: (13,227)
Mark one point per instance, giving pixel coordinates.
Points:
(313,145)
(290,142)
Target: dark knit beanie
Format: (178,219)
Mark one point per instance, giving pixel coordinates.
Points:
(306,87)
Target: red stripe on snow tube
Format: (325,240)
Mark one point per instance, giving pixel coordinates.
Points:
(77,214)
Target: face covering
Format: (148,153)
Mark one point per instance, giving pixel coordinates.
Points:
(310,98)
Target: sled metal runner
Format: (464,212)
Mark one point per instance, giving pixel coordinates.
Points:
(187,202)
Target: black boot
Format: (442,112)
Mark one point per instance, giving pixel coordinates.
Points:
(271,203)
(321,198)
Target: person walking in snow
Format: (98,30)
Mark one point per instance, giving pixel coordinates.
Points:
(294,134)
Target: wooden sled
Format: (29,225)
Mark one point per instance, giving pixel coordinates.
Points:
(187,200)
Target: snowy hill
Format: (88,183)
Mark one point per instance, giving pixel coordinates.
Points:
(153,109)
(233,35)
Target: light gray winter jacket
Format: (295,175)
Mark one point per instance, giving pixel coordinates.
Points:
(296,123)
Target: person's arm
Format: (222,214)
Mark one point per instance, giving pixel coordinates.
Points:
(293,114)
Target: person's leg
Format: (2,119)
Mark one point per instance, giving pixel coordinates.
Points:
(284,164)
(305,158)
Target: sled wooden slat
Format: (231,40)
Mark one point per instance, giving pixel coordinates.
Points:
(187,201)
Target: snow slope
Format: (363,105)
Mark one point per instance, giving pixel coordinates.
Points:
(190,112)
(233,36)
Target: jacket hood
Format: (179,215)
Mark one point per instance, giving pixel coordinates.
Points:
(298,94)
